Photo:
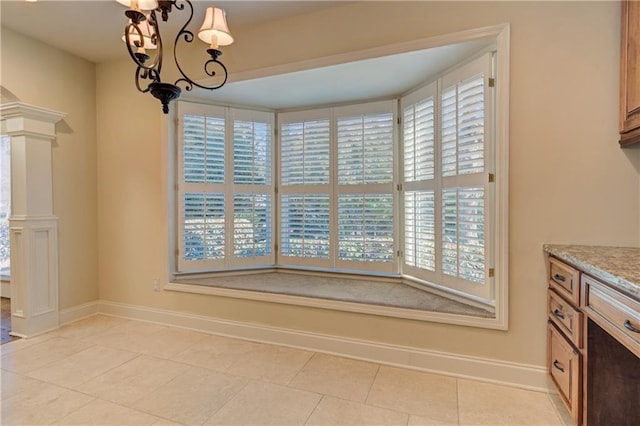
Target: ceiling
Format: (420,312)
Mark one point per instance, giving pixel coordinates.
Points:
(374,78)
(91,29)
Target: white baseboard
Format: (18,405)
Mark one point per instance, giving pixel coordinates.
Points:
(5,289)
(524,376)
(78,312)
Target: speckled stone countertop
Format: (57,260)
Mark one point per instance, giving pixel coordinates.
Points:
(617,266)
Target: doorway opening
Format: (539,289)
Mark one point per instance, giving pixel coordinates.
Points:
(5,249)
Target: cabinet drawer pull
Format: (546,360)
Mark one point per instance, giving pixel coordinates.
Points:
(628,326)
(559,366)
(559,277)
(558,314)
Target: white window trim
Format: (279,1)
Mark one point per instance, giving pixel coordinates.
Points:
(501,33)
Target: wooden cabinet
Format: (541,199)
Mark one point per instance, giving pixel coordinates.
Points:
(615,313)
(564,334)
(566,317)
(630,74)
(593,347)
(565,280)
(565,367)
(611,381)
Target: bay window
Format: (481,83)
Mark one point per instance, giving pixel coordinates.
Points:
(400,187)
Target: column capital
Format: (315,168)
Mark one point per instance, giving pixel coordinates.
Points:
(19,118)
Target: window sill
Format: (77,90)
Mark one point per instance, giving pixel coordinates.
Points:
(384,298)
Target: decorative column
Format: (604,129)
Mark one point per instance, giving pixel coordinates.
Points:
(33,226)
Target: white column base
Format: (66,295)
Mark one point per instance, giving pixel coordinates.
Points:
(34,275)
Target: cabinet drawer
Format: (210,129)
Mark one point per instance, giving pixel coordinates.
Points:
(566,317)
(616,313)
(564,367)
(565,280)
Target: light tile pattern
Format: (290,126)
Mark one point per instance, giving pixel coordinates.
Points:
(488,404)
(113,371)
(340,377)
(262,403)
(428,395)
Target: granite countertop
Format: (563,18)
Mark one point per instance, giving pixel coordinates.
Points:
(618,267)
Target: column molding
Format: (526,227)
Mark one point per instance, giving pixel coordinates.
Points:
(33,226)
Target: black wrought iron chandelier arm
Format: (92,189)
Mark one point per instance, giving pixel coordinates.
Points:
(215,53)
(152,76)
(143,27)
(133,44)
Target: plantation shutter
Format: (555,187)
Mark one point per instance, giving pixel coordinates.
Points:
(225,188)
(202,133)
(419,183)
(305,192)
(253,189)
(419,136)
(446,163)
(251,152)
(365,147)
(419,230)
(465,102)
(305,225)
(252,225)
(463,126)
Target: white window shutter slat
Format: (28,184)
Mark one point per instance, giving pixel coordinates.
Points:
(251,225)
(203,149)
(305,225)
(419,134)
(203,226)
(463,235)
(365,227)
(305,153)
(463,116)
(365,158)
(251,152)
(420,225)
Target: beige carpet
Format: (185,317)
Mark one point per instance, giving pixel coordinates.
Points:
(348,290)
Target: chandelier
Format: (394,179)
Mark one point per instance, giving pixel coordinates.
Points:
(142,34)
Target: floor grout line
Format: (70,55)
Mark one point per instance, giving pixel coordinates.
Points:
(366,398)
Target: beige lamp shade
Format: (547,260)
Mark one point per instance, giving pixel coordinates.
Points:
(140,4)
(214,30)
(147,32)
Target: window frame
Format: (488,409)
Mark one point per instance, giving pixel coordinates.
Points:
(501,35)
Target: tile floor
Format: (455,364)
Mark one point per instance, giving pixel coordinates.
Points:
(112,371)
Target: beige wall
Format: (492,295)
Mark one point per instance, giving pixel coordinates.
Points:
(44,76)
(570,183)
